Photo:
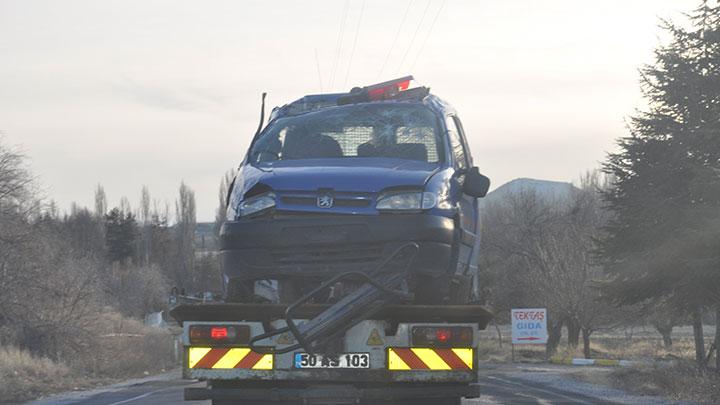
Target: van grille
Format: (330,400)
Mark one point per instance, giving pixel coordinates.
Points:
(328,255)
(339,202)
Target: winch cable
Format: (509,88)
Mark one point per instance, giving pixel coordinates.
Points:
(380,288)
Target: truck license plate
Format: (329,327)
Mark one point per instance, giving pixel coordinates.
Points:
(345,360)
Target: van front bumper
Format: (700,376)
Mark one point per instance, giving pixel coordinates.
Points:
(324,245)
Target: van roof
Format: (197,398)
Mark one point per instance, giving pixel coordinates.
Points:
(393,91)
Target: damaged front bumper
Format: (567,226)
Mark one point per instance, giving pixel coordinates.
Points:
(324,245)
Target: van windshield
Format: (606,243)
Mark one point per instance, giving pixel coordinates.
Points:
(400,131)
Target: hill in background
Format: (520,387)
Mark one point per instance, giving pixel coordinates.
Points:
(546,189)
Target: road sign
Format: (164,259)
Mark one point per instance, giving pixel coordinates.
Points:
(529,326)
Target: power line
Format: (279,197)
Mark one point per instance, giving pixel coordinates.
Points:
(317,63)
(338,47)
(397,35)
(357,33)
(412,41)
(432,25)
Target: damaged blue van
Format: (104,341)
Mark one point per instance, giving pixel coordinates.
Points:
(336,182)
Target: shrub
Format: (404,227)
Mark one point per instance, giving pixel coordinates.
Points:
(25,376)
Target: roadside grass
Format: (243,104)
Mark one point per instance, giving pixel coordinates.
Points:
(24,376)
(121,348)
(491,351)
(642,344)
(126,348)
(640,348)
(659,371)
(679,381)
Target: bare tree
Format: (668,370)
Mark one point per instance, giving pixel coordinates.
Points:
(144,210)
(539,252)
(145,219)
(17,196)
(185,235)
(225,185)
(125,208)
(100,202)
(46,283)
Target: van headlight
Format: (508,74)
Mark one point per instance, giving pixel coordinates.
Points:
(410,201)
(255,205)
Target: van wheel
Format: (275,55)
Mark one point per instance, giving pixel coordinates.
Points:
(461,290)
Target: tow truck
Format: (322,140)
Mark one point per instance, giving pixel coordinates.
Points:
(359,336)
(403,354)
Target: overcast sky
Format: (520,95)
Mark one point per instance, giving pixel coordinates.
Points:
(126,93)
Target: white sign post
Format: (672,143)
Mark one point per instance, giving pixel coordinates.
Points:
(529,327)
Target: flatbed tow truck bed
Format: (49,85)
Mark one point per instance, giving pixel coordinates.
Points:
(404,354)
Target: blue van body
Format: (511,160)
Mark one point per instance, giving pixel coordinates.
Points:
(330,206)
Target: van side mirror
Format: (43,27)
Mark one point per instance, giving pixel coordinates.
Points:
(476,184)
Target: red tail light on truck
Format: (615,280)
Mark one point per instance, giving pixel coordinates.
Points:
(219,334)
(435,336)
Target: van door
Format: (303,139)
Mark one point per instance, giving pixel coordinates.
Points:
(467,205)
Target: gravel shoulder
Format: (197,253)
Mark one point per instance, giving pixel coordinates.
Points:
(585,384)
(80,396)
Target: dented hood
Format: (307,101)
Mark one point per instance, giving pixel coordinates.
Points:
(346,174)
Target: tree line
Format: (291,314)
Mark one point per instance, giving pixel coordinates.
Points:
(60,273)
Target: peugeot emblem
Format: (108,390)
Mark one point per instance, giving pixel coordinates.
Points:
(325,201)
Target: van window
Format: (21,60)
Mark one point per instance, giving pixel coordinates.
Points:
(456,143)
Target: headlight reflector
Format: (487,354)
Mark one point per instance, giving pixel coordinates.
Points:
(411,201)
(429,200)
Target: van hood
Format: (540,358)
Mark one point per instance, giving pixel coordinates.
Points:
(347,174)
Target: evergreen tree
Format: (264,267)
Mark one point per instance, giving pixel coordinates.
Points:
(121,234)
(83,232)
(664,239)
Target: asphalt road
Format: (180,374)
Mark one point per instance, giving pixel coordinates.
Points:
(497,387)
